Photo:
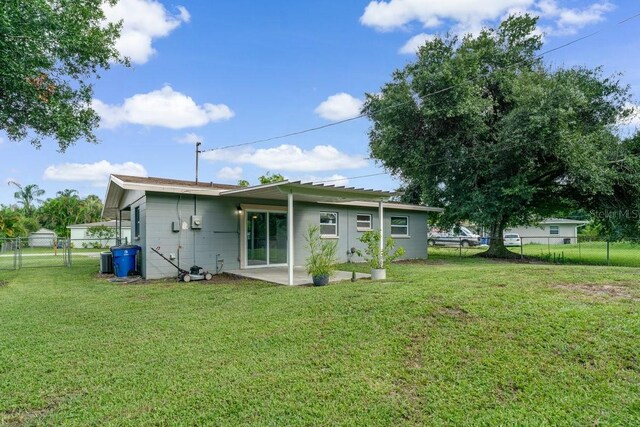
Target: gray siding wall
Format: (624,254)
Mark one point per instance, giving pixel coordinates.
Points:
(220,232)
(309,213)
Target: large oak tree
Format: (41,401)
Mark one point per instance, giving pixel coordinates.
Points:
(479,126)
(50,51)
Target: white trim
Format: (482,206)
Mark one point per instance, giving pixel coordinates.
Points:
(391,225)
(381,213)
(244,253)
(262,208)
(290,247)
(329,236)
(386,205)
(370,222)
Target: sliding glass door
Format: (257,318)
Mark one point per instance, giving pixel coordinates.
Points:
(266,242)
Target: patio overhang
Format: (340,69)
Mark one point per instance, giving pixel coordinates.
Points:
(308,192)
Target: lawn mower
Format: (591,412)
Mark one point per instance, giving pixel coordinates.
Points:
(194,273)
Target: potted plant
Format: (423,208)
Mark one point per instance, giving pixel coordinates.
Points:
(322,259)
(377,258)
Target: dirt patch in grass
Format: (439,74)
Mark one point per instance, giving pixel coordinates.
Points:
(21,417)
(137,280)
(601,290)
(453,312)
(3,283)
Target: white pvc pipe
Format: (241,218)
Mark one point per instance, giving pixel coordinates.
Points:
(290,236)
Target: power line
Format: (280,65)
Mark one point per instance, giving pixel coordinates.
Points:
(446,89)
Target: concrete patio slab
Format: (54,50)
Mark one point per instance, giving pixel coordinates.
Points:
(280,275)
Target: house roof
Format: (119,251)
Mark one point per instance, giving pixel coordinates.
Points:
(559,221)
(393,205)
(112,223)
(43,231)
(306,192)
(302,191)
(118,184)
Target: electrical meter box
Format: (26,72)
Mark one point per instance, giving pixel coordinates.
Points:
(196,221)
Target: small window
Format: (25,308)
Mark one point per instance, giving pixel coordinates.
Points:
(136,221)
(363,222)
(554,229)
(399,225)
(329,224)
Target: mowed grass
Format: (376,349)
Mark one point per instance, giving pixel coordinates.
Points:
(624,254)
(462,342)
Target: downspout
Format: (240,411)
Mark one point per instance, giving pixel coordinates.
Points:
(381,248)
(290,235)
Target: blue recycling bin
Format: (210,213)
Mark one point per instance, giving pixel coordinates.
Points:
(484,240)
(124,259)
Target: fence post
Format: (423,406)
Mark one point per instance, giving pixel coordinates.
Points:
(608,244)
(460,246)
(549,245)
(521,249)
(579,250)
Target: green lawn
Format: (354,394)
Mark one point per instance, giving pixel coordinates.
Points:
(448,342)
(623,254)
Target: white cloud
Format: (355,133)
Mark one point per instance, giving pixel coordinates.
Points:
(164,107)
(414,43)
(634,118)
(142,21)
(396,14)
(189,138)
(230,174)
(335,179)
(340,106)
(96,173)
(469,16)
(290,158)
(566,21)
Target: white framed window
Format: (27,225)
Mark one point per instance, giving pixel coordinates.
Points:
(363,222)
(554,229)
(400,226)
(329,224)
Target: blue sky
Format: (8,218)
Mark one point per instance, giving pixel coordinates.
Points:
(229,72)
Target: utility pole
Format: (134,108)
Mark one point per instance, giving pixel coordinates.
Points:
(197,155)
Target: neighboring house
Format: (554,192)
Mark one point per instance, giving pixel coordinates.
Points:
(555,231)
(80,238)
(42,238)
(260,226)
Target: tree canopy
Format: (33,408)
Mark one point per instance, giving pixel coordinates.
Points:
(49,53)
(479,126)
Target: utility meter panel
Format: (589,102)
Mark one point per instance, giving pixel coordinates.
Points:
(196,221)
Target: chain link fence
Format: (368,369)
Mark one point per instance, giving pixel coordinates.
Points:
(554,249)
(50,251)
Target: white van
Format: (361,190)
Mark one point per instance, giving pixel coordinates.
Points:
(458,236)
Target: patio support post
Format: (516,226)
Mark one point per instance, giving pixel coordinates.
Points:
(290,235)
(381,215)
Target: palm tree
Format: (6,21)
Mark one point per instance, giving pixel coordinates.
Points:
(27,196)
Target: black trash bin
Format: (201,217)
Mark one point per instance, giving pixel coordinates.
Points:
(106,263)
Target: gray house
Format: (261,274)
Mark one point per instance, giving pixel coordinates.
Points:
(43,238)
(248,227)
(554,231)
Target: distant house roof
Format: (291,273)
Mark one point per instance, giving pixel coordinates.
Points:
(559,221)
(43,231)
(112,223)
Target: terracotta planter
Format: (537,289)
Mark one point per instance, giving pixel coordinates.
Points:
(320,280)
(378,274)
